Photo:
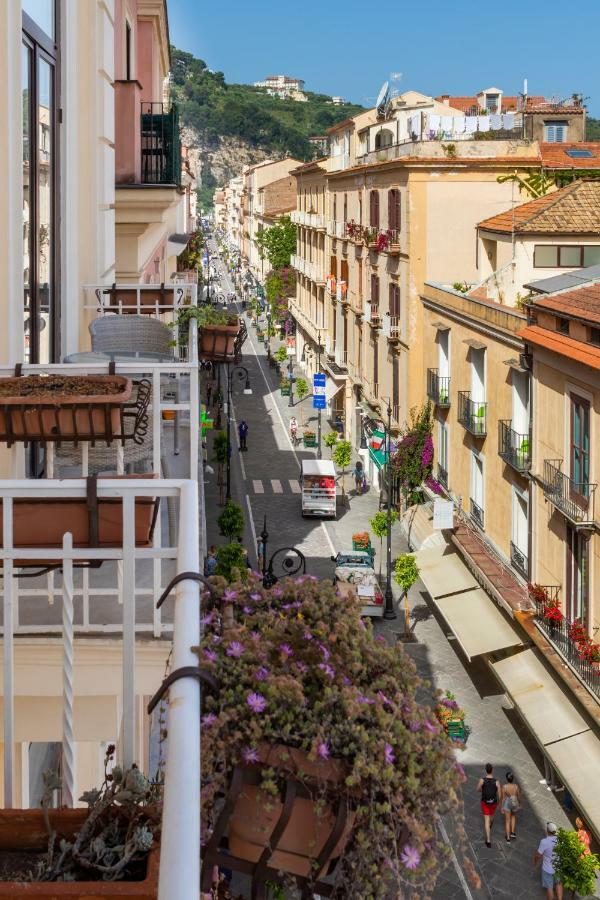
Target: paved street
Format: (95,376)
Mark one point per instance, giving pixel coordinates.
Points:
(265,481)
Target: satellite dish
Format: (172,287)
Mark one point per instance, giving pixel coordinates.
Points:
(382,98)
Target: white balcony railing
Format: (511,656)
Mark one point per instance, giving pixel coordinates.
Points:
(390,326)
(179,861)
(341,161)
(156,299)
(341,291)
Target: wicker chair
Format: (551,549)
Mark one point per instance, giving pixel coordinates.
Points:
(127,334)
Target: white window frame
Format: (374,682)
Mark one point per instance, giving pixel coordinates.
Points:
(556,132)
(444,431)
(476,458)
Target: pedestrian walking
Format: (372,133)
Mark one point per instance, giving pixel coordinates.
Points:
(359,474)
(489,786)
(210,563)
(260,553)
(511,804)
(243,433)
(293,430)
(583,835)
(545,853)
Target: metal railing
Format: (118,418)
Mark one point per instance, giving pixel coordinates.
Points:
(513,447)
(442,475)
(372,389)
(477,513)
(142,299)
(160,144)
(371,313)
(472,414)
(438,388)
(391,326)
(574,499)
(519,560)
(341,358)
(558,633)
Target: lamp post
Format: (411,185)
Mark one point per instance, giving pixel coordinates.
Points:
(268,334)
(291,379)
(290,564)
(389,611)
(241,371)
(319,450)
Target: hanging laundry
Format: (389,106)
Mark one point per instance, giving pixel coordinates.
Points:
(470,124)
(509,121)
(447,123)
(495,122)
(434,123)
(459,124)
(484,123)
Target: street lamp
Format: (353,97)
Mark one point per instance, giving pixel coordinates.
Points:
(291,564)
(389,611)
(268,334)
(241,371)
(291,379)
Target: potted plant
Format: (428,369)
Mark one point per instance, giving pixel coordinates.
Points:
(574,866)
(309,438)
(311,706)
(406,573)
(63,407)
(231,521)
(220,334)
(108,850)
(284,387)
(451,716)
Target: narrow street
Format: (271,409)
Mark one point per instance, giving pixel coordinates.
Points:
(265,481)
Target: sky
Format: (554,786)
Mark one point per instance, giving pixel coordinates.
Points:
(350,47)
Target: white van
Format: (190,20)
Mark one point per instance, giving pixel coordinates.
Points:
(318,488)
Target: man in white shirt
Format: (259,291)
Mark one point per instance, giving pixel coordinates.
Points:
(545,853)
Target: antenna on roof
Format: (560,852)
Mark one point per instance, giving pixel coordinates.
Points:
(382,99)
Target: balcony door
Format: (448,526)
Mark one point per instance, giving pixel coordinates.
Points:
(443,341)
(577,567)
(520,402)
(477,487)
(443,452)
(478,375)
(580,447)
(519,549)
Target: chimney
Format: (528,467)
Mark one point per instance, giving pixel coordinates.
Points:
(446,99)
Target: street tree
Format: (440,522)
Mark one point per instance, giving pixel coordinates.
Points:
(341,456)
(277,243)
(330,440)
(301,393)
(406,572)
(231,520)
(230,557)
(378,526)
(573,867)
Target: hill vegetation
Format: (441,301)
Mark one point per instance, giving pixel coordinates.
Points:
(592,129)
(216,110)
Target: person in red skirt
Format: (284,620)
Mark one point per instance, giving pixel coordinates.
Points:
(490,794)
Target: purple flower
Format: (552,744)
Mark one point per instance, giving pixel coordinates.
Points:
(208,618)
(261,674)
(323,750)
(308,636)
(216,639)
(209,719)
(427,452)
(434,486)
(414,726)
(210,655)
(410,857)
(363,699)
(286,650)
(230,596)
(249,755)
(346,681)
(256,702)
(255,635)
(384,699)
(389,754)
(380,639)
(248,610)
(286,606)
(277,592)
(327,669)
(256,574)
(302,667)
(460,769)
(255,597)
(235,649)
(430,727)
(324,651)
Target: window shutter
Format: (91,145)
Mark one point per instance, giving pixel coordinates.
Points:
(374,211)
(374,290)
(394,300)
(394,209)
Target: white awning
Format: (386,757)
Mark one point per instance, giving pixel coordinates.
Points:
(544,706)
(574,759)
(477,622)
(332,387)
(443,574)
(417,526)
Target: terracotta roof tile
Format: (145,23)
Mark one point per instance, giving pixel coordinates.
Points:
(574,209)
(509,104)
(582,302)
(561,344)
(519,162)
(555,156)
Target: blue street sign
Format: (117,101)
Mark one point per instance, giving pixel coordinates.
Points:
(319,386)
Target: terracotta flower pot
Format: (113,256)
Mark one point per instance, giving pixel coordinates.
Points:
(24,829)
(256,814)
(29,411)
(217,342)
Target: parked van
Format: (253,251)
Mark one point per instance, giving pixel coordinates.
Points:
(318,488)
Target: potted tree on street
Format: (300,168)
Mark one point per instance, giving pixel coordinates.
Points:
(341,456)
(231,521)
(406,573)
(378,526)
(301,393)
(574,866)
(330,440)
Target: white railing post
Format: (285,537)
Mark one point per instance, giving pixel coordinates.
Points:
(68,740)
(8,647)
(128,597)
(180,841)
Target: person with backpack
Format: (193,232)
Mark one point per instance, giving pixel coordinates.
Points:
(490,789)
(243,432)
(511,804)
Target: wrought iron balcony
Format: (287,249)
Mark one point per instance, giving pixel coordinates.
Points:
(561,634)
(472,414)
(160,144)
(574,499)
(514,448)
(519,561)
(477,514)
(438,388)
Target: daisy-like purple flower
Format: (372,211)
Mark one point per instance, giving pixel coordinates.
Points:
(384,699)
(216,639)
(302,667)
(277,592)
(346,681)
(250,755)
(286,650)
(255,635)
(235,649)
(414,726)
(324,651)
(366,700)
(380,639)
(208,618)
(209,719)
(255,597)
(308,636)
(261,674)
(230,596)
(430,727)
(256,702)
(323,750)
(325,667)
(210,655)
(410,857)
(389,754)
(248,610)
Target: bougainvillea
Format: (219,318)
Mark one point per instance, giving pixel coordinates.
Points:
(412,463)
(297,666)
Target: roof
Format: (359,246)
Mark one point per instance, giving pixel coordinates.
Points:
(465,104)
(574,209)
(559,343)
(346,123)
(318,467)
(442,162)
(556,156)
(582,302)
(564,282)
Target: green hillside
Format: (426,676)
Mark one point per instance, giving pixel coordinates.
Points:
(592,129)
(217,110)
